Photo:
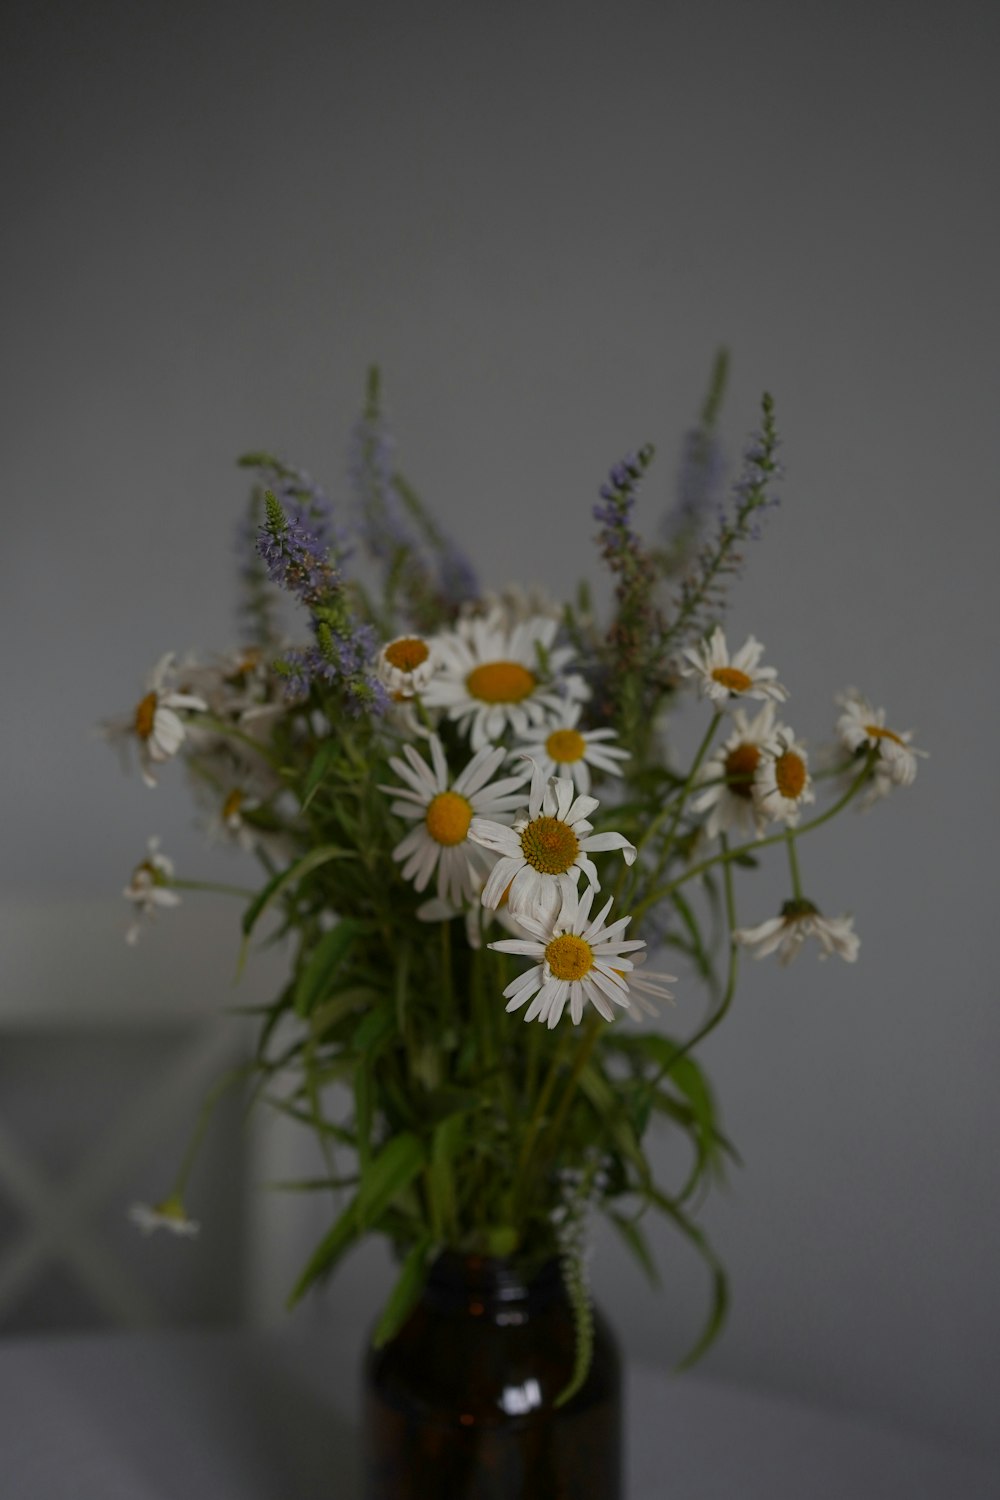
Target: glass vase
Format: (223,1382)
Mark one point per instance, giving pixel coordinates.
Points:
(460,1404)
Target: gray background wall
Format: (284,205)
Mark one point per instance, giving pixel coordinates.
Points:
(542,220)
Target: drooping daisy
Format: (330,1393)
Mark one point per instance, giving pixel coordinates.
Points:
(490,676)
(782,785)
(563,749)
(732,773)
(443,812)
(862,727)
(800,920)
(645,987)
(578,959)
(156,724)
(549,844)
(170,1215)
(149,888)
(405,665)
(722,678)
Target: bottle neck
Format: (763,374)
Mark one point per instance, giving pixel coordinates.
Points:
(456,1281)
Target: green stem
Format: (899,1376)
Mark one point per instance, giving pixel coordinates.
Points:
(728,993)
(542,1103)
(742,849)
(793,865)
(209,721)
(676,805)
(210,885)
(215,1093)
(581,1060)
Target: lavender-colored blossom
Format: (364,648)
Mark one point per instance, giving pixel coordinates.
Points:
(380,520)
(304,502)
(458,579)
(616,537)
(294,556)
(702,467)
(759,470)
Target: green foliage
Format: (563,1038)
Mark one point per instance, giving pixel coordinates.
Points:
(445,1121)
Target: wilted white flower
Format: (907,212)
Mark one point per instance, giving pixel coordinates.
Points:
(405,665)
(149,888)
(782,785)
(862,727)
(732,774)
(156,725)
(800,920)
(169,1215)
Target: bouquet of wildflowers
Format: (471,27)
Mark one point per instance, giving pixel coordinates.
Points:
(470,830)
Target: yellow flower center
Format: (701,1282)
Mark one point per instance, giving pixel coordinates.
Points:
(790,774)
(233,803)
(566,745)
(144,716)
(740,765)
(876,732)
(732,678)
(501,682)
(407,654)
(248,663)
(569,957)
(448,818)
(549,845)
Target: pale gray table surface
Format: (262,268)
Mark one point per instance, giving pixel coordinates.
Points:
(243,1416)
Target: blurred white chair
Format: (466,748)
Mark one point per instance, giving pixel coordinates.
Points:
(108,1052)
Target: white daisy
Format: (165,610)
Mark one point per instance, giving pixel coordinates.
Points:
(156,723)
(566,750)
(405,665)
(492,676)
(149,888)
(862,727)
(800,920)
(722,677)
(548,845)
(782,785)
(170,1215)
(732,773)
(579,959)
(443,811)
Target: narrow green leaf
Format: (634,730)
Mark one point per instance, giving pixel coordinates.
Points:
(604,1100)
(388,1175)
(631,1232)
(720,1286)
(309,1184)
(322,761)
(298,871)
(331,1248)
(698,949)
(395,1167)
(344,1003)
(364,1110)
(315,979)
(405,1294)
(372,1031)
(445,1145)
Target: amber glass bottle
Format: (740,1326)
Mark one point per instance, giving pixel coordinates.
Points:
(459,1405)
